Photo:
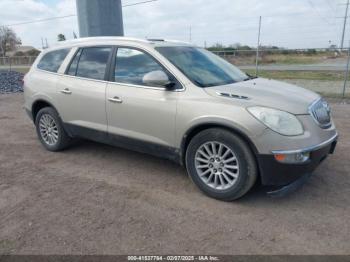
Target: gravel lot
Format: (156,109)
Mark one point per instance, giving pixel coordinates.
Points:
(96,199)
(10,82)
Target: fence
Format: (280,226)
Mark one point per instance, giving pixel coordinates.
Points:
(11,73)
(17,61)
(270,56)
(321,70)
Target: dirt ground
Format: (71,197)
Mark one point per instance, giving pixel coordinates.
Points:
(96,199)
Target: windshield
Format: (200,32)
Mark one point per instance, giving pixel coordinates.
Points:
(202,67)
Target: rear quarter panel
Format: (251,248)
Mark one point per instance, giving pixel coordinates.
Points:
(40,85)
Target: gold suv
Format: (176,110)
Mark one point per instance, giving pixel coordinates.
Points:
(182,103)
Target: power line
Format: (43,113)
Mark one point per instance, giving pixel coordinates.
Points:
(41,20)
(149,1)
(330,6)
(67,16)
(139,3)
(317,11)
(273,30)
(306,13)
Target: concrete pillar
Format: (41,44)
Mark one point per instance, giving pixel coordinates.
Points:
(100,18)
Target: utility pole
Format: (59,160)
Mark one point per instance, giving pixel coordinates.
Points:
(257,49)
(190,34)
(346,73)
(344,27)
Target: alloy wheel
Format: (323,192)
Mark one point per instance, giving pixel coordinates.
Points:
(48,129)
(217,165)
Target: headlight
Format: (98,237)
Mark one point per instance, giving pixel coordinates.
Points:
(279,121)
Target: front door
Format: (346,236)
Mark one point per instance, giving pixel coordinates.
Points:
(134,110)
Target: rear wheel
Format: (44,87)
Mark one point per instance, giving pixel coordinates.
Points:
(50,130)
(221,164)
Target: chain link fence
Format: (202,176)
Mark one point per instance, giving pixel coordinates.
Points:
(17,61)
(320,70)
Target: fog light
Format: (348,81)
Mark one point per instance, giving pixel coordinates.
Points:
(297,158)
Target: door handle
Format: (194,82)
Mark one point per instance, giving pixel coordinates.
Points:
(115,100)
(66,91)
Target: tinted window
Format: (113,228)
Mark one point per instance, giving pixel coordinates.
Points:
(74,65)
(92,63)
(53,60)
(202,67)
(132,65)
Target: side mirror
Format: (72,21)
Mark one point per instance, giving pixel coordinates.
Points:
(156,78)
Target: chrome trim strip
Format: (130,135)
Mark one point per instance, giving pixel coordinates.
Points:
(144,87)
(307,149)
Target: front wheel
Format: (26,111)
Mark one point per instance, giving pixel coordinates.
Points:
(221,164)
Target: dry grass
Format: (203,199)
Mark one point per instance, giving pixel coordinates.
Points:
(307,75)
(288,59)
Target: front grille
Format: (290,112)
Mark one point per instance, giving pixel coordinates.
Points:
(321,113)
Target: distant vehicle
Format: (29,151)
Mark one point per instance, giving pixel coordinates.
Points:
(182,103)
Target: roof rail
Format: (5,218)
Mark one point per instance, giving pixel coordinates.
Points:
(107,38)
(156,39)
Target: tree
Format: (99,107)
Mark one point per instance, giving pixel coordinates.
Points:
(8,40)
(61,37)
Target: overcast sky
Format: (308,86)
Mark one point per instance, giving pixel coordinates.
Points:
(286,23)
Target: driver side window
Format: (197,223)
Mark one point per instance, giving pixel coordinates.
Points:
(132,65)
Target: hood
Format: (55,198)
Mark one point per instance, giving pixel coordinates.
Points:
(269,93)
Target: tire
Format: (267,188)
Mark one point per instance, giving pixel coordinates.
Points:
(235,178)
(59,140)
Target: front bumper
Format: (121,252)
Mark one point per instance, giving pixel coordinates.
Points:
(274,173)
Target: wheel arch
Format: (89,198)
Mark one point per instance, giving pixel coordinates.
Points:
(193,131)
(40,104)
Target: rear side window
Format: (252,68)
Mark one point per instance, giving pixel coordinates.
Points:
(52,61)
(90,63)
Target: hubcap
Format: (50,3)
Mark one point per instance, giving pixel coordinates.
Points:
(217,165)
(48,129)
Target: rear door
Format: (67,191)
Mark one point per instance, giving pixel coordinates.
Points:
(82,90)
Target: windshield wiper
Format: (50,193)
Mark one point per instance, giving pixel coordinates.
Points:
(250,78)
